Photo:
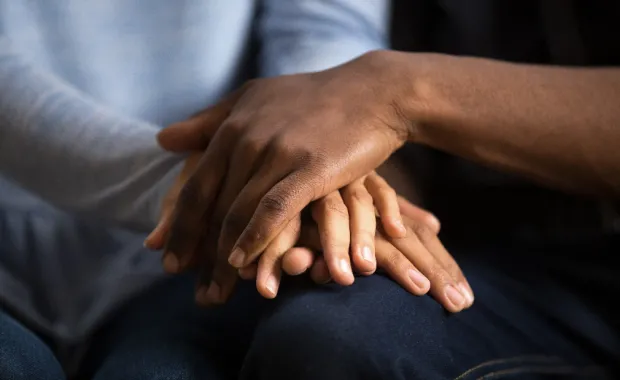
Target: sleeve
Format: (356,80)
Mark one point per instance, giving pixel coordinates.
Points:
(313,35)
(75,154)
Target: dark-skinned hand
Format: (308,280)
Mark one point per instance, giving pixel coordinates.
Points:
(346,219)
(273,147)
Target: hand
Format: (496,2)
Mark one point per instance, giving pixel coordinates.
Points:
(344,219)
(418,262)
(305,137)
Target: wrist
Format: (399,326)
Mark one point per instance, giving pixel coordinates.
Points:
(387,75)
(419,80)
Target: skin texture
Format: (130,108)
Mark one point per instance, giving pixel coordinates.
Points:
(416,259)
(556,125)
(308,135)
(293,163)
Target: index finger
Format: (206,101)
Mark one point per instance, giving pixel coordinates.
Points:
(276,208)
(193,207)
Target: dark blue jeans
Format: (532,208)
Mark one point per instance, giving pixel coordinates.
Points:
(540,313)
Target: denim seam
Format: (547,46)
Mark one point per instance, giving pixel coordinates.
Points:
(539,358)
(558,369)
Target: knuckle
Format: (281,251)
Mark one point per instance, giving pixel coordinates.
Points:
(336,248)
(453,268)
(423,233)
(387,192)
(250,147)
(335,209)
(300,152)
(437,274)
(394,259)
(275,204)
(192,193)
(358,196)
(233,127)
(284,146)
(315,158)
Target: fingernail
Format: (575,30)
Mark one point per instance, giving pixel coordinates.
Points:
(455,297)
(344,266)
(419,279)
(213,293)
(468,295)
(367,254)
(272,285)
(170,262)
(237,257)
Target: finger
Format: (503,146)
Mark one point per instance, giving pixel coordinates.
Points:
(444,288)
(157,237)
(270,262)
(319,273)
(261,211)
(363,225)
(220,276)
(297,260)
(400,268)
(386,202)
(192,212)
(411,211)
(249,272)
(310,238)
(269,276)
(447,261)
(220,288)
(248,150)
(196,132)
(332,218)
(216,278)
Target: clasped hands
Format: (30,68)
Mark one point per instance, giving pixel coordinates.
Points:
(288,167)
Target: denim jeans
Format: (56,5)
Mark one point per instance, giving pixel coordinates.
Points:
(540,313)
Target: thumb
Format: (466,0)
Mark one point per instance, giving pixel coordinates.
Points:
(195,133)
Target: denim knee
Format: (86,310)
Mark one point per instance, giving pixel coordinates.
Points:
(161,361)
(306,348)
(23,356)
(337,335)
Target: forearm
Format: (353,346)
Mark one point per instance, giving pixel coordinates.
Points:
(556,125)
(60,145)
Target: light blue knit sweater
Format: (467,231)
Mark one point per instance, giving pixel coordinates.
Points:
(84,87)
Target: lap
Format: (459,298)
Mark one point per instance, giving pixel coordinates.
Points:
(23,354)
(162,334)
(523,323)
